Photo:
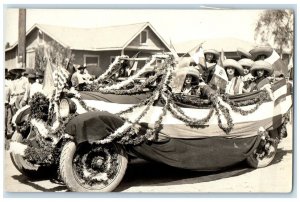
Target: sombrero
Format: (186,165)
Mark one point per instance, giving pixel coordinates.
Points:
(189,71)
(245,62)
(40,74)
(241,52)
(82,67)
(261,50)
(214,52)
(29,71)
(17,68)
(31,76)
(232,63)
(261,65)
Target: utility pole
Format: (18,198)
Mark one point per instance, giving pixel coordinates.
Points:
(21,38)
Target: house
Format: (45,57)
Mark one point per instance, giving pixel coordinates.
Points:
(95,47)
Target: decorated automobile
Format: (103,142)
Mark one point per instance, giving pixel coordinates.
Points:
(89,136)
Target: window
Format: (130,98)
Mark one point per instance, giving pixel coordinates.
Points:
(112,59)
(91,60)
(144,37)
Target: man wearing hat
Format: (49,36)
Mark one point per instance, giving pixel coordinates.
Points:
(31,79)
(18,88)
(81,77)
(234,72)
(36,85)
(260,70)
(8,112)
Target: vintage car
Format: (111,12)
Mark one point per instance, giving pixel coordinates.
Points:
(99,131)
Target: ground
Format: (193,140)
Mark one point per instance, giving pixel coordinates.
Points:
(143,176)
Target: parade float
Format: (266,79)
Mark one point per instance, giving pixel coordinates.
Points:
(88,136)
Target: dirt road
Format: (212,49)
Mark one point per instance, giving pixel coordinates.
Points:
(151,177)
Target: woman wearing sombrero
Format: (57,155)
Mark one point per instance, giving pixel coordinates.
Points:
(247,78)
(260,70)
(211,58)
(234,72)
(261,52)
(185,81)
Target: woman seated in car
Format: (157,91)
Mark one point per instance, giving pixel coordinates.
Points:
(234,72)
(247,78)
(191,81)
(261,70)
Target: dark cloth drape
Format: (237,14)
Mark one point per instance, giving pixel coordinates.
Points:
(93,126)
(207,154)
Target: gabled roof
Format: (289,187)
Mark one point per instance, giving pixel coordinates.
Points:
(101,38)
(227,44)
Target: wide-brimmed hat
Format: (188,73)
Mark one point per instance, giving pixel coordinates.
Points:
(29,71)
(40,74)
(189,71)
(81,67)
(31,76)
(234,64)
(261,65)
(243,53)
(261,50)
(8,74)
(214,52)
(17,68)
(246,62)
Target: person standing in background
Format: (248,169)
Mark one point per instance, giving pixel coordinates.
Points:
(18,88)
(8,112)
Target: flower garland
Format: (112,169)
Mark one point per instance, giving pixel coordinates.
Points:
(178,113)
(257,100)
(99,165)
(41,148)
(39,151)
(283,130)
(129,80)
(128,124)
(136,89)
(112,67)
(133,137)
(222,109)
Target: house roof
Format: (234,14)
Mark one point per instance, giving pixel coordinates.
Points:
(100,38)
(227,44)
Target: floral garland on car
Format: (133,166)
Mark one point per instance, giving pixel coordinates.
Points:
(41,148)
(131,132)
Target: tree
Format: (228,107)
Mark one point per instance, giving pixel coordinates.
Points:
(276,27)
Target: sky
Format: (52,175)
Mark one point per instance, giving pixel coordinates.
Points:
(175,25)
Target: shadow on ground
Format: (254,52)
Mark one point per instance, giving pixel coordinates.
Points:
(34,183)
(143,173)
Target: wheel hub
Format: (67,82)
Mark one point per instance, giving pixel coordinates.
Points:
(97,162)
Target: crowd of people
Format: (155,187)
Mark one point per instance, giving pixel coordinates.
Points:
(250,73)
(20,85)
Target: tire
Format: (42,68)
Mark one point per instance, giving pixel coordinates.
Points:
(73,156)
(255,161)
(26,168)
